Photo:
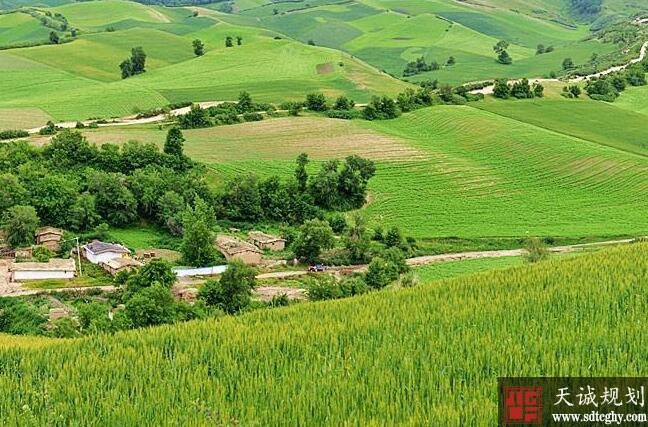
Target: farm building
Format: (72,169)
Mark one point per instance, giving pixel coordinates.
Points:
(117,265)
(53,269)
(266,241)
(233,248)
(97,252)
(49,237)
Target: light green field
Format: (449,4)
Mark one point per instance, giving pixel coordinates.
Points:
(429,355)
(95,15)
(388,34)
(448,270)
(16,28)
(459,171)
(22,118)
(81,79)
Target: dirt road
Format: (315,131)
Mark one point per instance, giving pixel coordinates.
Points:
(488,90)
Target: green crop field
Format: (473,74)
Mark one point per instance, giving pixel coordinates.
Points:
(17,28)
(389,33)
(429,355)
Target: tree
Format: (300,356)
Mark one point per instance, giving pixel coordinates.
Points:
(83,213)
(316,102)
(357,240)
(157,271)
(138,58)
(195,118)
(451,61)
(233,291)
(198,47)
(301,175)
(379,273)
(502,55)
(239,40)
(521,89)
(501,89)
(393,238)
(197,240)
(540,49)
(19,224)
(567,64)
(52,196)
(126,68)
(538,90)
(229,42)
(245,104)
(242,199)
(343,103)
(115,203)
(53,37)
(170,207)
(314,236)
(151,306)
(14,193)
(173,144)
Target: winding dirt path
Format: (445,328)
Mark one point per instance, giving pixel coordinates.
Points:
(488,90)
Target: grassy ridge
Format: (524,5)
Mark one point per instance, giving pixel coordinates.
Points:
(425,356)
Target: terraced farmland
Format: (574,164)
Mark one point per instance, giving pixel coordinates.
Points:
(429,355)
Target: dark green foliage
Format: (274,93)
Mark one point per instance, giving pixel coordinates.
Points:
(540,49)
(420,66)
(20,318)
(198,241)
(635,75)
(571,91)
(411,100)
(379,273)
(338,223)
(153,305)
(19,224)
(196,118)
(13,134)
(343,114)
(239,40)
(451,61)
(49,129)
(245,104)
(502,55)
(381,109)
(357,240)
(157,271)
(393,238)
(343,103)
(301,175)
(229,42)
(252,117)
(316,102)
(326,287)
(501,89)
(53,37)
(586,8)
(173,145)
(233,291)
(568,64)
(604,89)
(538,90)
(134,65)
(314,236)
(198,47)
(521,89)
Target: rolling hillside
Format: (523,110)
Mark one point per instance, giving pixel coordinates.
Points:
(81,79)
(424,356)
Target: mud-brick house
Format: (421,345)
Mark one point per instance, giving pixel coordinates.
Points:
(50,237)
(117,265)
(265,241)
(233,248)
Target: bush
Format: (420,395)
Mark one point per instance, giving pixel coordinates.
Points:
(316,102)
(338,223)
(343,114)
(252,117)
(536,250)
(323,288)
(12,134)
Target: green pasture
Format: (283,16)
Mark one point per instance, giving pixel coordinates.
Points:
(16,28)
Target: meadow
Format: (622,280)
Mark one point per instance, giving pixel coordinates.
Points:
(428,355)
(458,170)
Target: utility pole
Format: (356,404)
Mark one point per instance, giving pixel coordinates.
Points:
(78,250)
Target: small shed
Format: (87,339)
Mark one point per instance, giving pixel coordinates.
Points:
(50,237)
(233,248)
(265,241)
(117,265)
(53,269)
(97,251)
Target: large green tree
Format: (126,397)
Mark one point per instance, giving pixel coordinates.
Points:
(314,236)
(198,240)
(233,292)
(19,224)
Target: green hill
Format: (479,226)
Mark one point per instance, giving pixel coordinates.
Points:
(424,356)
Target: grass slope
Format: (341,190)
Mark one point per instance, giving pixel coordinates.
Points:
(424,356)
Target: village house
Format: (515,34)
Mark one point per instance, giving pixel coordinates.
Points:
(53,269)
(97,252)
(266,241)
(49,237)
(117,265)
(233,248)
